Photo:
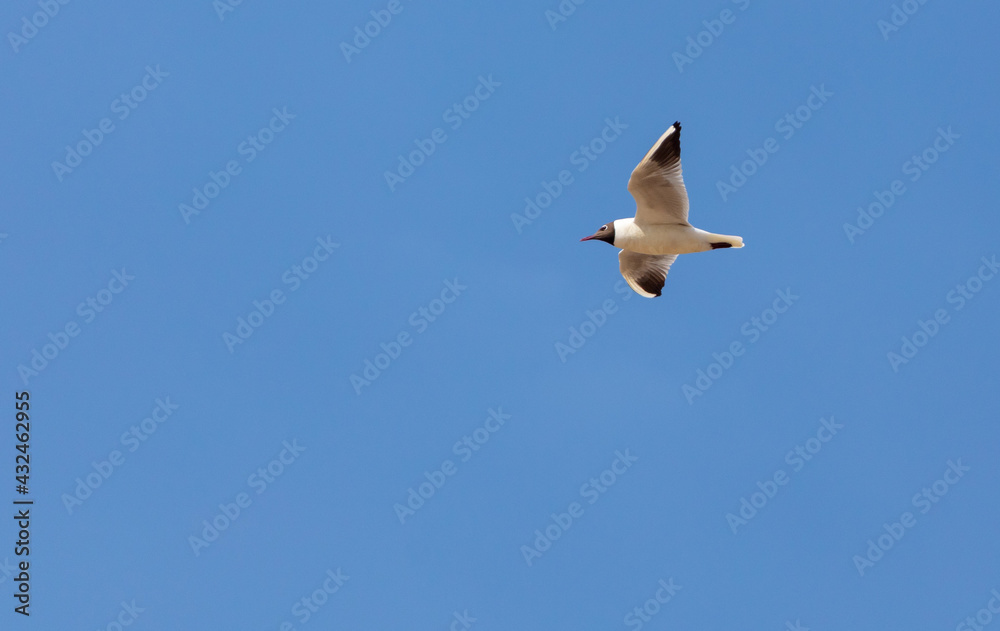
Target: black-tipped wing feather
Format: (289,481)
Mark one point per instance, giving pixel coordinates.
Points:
(645,273)
(657,183)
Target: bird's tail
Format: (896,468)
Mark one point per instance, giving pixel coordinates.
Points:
(725,241)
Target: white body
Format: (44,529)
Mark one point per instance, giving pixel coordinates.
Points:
(667,238)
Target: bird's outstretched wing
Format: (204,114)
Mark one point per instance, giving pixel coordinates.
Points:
(645,273)
(657,184)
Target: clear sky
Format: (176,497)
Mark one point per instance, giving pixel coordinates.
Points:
(311,341)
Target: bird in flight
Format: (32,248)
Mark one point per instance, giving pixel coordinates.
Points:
(651,241)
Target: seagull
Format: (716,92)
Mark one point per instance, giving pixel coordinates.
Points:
(660,231)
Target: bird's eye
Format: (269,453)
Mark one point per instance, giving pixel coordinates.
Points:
(604,227)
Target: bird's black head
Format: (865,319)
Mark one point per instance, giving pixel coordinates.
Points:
(605,233)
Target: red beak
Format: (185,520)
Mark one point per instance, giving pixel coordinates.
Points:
(588,238)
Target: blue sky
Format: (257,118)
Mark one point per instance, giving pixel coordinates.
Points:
(298,358)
